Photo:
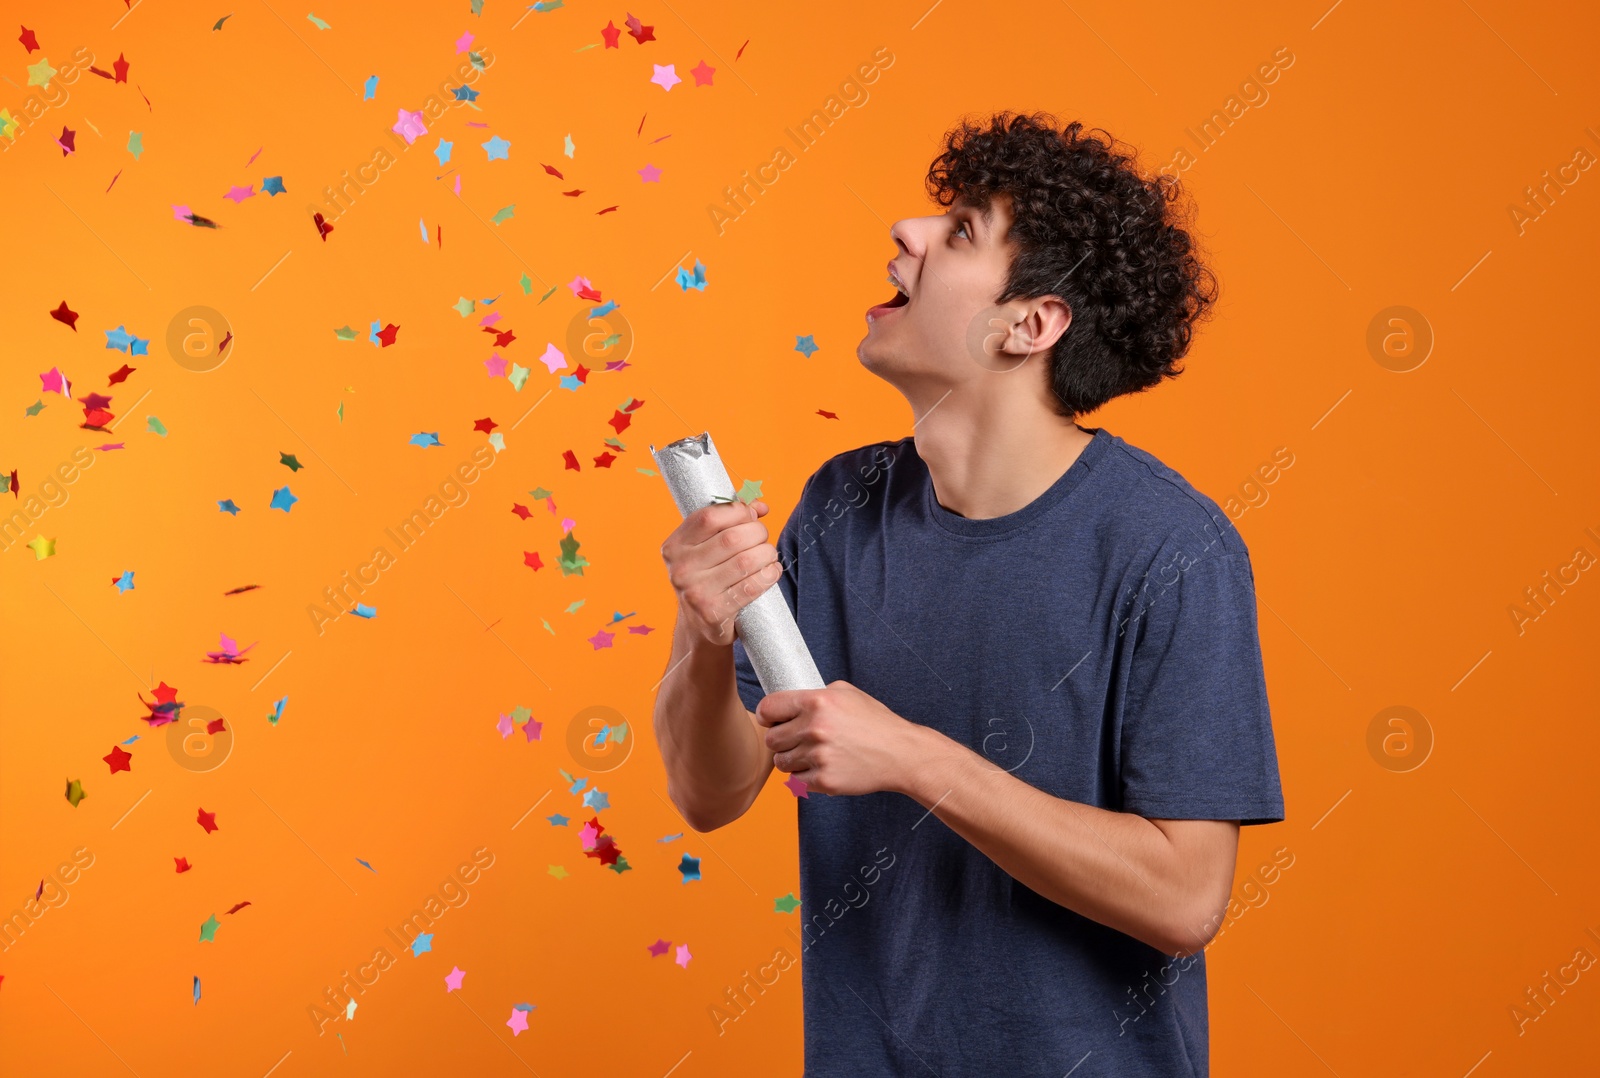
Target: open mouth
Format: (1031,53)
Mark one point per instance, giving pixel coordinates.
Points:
(900,300)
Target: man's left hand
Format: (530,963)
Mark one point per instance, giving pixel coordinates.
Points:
(840,740)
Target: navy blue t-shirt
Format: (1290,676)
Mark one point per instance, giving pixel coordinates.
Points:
(1099,643)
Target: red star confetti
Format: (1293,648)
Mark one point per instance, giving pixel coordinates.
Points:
(207,820)
(118,759)
(29,40)
(638,31)
(66,316)
(182,863)
(121,374)
(166,707)
(530,558)
(485,424)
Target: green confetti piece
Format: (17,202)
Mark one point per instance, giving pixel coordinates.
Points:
(345,334)
(504,214)
(135,144)
(518,376)
(527,285)
(151,423)
(548,294)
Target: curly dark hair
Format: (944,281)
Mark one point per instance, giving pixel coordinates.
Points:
(1094,231)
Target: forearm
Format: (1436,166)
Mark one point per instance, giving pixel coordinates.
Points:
(1116,868)
(714,757)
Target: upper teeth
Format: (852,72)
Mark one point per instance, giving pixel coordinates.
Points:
(894,281)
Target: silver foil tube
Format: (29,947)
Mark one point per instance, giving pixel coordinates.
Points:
(695,476)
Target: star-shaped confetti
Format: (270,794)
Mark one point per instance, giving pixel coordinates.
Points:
(227,506)
(42,548)
(805,345)
(409,126)
(695,279)
(208,931)
(288,461)
(207,820)
(683,955)
(41,73)
(666,76)
(497,148)
(124,582)
(283,498)
(453,979)
(422,942)
(690,867)
(787,904)
(118,759)
(518,1021)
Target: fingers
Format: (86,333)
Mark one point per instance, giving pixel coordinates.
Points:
(709,520)
(779,707)
(784,736)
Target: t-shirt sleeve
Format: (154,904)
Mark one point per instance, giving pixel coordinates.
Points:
(1196,737)
(750,690)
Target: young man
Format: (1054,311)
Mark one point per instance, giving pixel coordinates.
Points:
(1045,716)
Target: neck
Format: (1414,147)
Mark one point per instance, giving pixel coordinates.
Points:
(991,456)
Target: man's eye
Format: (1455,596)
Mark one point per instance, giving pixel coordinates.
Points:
(962,227)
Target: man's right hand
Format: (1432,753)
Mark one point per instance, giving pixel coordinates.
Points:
(719,561)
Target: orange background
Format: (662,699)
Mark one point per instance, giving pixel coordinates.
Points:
(1380,169)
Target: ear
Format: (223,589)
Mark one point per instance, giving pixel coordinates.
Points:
(1042,323)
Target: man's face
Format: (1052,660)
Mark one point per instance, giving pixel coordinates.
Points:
(952,266)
